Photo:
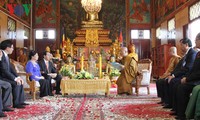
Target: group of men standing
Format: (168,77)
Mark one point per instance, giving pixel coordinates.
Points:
(176,85)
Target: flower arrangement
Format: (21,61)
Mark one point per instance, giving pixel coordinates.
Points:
(114,72)
(66,71)
(84,75)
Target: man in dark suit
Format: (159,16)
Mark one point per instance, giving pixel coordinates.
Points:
(1,107)
(49,71)
(8,74)
(188,82)
(5,97)
(181,69)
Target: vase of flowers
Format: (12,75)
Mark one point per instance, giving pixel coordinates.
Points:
(65,71)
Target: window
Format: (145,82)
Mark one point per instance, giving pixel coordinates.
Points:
(158,33)
(171,29)
(193,30)
(195,11)
(49,34)
(39,34)
(140,34)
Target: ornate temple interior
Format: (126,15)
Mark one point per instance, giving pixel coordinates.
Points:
(89,35)
(73,28)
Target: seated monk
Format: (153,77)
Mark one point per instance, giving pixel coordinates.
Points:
(129,73)
(22,58)
(172,64)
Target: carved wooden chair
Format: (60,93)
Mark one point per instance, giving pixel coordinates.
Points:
(144,67)
(31,86)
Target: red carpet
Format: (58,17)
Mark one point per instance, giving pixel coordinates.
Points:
(94,107)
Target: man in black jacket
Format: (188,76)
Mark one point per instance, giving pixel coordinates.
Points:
(49,71)
(8,74)
(190,80)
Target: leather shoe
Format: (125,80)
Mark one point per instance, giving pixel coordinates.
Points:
(58,93)
(167,106)
(7,109)
(24,104)
(2,114)
(172,110)
(161,102)
(180,118)
(174,113)
(51,94)
(18,106)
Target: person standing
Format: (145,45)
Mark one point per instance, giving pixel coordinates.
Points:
(8,74)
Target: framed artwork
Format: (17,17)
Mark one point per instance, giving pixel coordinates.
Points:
(11,24)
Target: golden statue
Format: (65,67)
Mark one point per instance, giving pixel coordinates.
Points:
(115,49)
(109,66)
(68,47)
(48,49)
(70,65)
(57,55)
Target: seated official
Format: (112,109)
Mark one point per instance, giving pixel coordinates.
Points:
(8,74)
(128,73)
(5,95)
(33,68)
(49,71)
(188,82)
(172,64)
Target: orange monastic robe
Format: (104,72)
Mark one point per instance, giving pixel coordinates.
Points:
(128,74)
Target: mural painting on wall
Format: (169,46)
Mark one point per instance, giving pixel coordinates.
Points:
(180,2)
(139,11)
(163,8)
(20,8)
(45,13)
(112,15)
(71,15)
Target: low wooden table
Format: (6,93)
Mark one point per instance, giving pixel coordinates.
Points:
(85,86)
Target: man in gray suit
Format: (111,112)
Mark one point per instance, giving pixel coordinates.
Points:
(5,95)
(8,74)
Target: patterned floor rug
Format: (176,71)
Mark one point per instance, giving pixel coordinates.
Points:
(94,107)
